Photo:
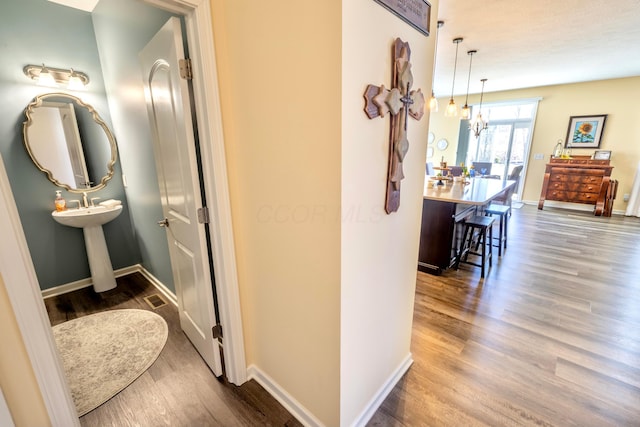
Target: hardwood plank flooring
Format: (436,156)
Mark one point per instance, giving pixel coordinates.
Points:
(178,389)
(551,337)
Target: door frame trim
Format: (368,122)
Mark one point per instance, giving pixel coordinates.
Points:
(199,28)
(214,164)
(16,266)
(20,281)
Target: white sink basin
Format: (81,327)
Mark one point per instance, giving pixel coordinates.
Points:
(91,220)
(86,217)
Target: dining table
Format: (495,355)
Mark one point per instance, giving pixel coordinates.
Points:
(445,206)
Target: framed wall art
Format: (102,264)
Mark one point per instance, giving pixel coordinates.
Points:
(416,13)
(585,131)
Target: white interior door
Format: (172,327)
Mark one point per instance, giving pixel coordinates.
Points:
(168,106)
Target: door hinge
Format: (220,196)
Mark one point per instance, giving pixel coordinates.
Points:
(217,332)
(185,69)
(203,215)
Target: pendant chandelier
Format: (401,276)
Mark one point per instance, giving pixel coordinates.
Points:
(465,114)
(452,108)
(433,101)
(478,125)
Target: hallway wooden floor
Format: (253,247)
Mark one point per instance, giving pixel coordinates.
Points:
(550,338)
(178,390)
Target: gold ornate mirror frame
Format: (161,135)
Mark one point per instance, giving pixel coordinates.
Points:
(58,96)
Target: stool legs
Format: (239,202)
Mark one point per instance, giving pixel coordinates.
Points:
(490,245)
(484,227)
(502,234)
(501,226)
(483,237)
(506,222)
(504,212)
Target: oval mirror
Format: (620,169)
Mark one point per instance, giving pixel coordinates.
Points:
(68,141)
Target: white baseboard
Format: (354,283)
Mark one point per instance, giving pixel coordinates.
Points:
(66,288)
(565,205)
(373,405)
(158,284)
(296,409)
(84,283)
(573,206)
(303,415)
(5,416)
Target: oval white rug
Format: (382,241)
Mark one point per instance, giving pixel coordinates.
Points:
(105,352)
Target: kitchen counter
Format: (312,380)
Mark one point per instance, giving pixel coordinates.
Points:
(478,191)
(443,208)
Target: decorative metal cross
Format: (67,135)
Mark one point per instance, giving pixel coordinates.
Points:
(400,102)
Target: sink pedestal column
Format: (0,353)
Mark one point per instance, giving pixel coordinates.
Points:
(99,261)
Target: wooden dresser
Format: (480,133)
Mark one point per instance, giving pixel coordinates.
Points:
(577,180)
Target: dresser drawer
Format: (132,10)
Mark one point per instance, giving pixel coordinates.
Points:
(577,161)
(578,179)
(575,186)
(572,196)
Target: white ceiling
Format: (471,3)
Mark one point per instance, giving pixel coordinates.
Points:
(86,5)
(527,43)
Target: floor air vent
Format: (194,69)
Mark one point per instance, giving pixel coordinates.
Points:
(155,301)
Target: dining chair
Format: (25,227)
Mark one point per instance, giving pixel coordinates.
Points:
(482,168)
(455,170)
(430,170)
(505,198)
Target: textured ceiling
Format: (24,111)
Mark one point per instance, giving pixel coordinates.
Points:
(86,5)
(536,43)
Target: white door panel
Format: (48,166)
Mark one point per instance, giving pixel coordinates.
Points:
(169,112)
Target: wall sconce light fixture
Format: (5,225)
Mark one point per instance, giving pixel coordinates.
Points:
(55,77)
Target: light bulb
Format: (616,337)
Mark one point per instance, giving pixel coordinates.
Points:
(433,103)
(45,78)
(452,109)
(75,83)
(465,113)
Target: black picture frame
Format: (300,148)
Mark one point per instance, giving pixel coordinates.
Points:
(416,13)
(585,131)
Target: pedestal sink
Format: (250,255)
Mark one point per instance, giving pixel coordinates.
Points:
(90,220)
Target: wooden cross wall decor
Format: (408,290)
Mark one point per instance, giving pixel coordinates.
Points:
(400,102)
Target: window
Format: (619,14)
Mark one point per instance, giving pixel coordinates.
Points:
(506,142)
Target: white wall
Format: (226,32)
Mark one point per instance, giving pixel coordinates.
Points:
(279,74)
(327,279)
(378,251)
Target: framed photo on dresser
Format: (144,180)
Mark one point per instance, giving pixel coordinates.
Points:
(602,155)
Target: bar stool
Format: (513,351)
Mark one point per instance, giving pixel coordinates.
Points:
(484,225)
(504,211)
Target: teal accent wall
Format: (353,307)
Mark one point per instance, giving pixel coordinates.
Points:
(123,28)
(38,31)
